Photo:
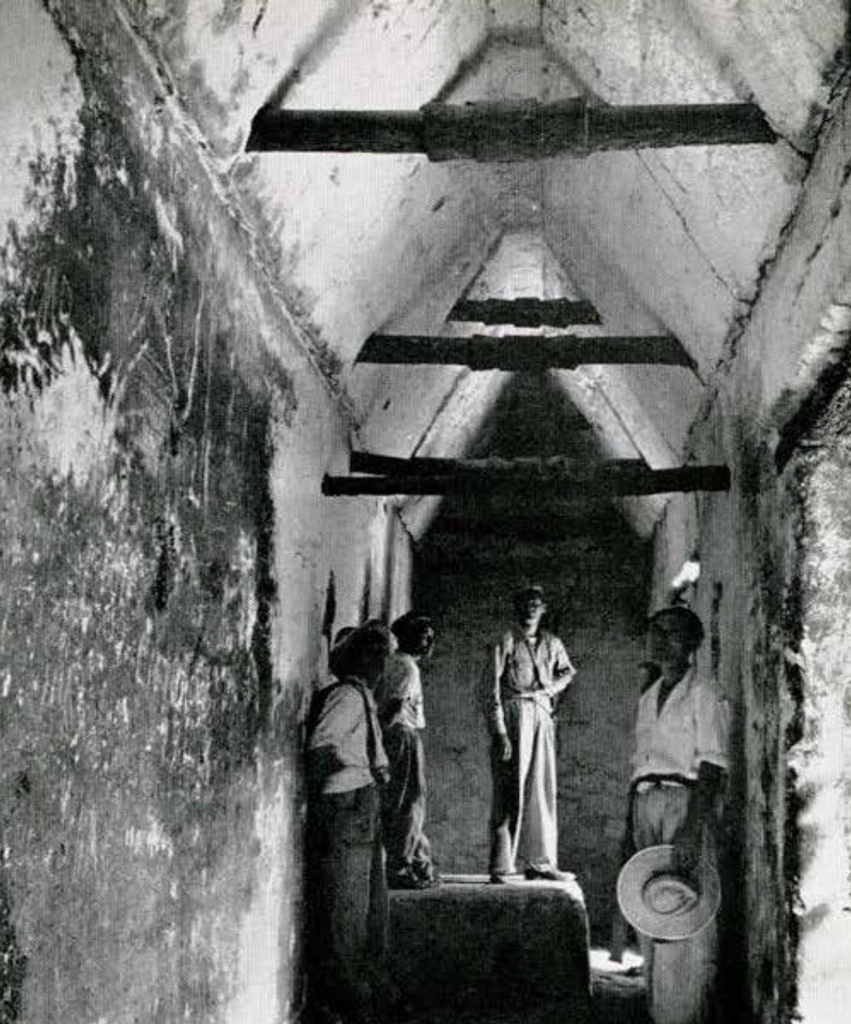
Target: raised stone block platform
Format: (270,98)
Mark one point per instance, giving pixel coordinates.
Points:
(472,943)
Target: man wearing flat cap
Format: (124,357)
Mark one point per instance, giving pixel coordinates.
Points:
(527,668)
(679,770)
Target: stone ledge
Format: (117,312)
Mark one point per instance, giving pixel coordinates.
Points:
(468,942)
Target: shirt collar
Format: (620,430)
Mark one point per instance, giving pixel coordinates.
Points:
(679,692)
(520,635)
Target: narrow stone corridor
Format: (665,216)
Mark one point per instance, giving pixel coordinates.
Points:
(314,312)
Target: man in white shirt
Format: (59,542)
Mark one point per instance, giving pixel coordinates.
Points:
(346,765)
(679,771)
(399,696)
(527,668)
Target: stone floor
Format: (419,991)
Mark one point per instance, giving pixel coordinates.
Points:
(617,989)
(617,998)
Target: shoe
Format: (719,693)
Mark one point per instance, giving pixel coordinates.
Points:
(426,873)
(408,880)
(499,878)
(546,874)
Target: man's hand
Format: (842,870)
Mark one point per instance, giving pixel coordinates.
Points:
(689,836)
(503,747)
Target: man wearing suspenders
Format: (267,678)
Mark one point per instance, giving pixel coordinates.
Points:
(346,767)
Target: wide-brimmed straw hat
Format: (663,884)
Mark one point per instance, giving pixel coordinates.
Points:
(660,902)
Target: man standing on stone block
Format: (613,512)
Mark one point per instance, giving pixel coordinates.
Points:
(526,669)
(679,770)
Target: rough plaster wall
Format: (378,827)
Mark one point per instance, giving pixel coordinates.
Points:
(165,563)
(39,103)
(670,221)
(228,58)
(820,760)
(748,543)
(758,551)
(596,606)
(355,237)
(787,55)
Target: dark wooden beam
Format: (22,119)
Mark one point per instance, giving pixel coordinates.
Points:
(523,352)
(548,466)
(527,486)
(508,131)
(525,312)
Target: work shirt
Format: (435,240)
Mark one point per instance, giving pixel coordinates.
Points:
(520,667)
(692,727)
(399,695)
(338,747)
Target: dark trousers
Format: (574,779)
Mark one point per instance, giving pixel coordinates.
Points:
(347,904)
(404,803)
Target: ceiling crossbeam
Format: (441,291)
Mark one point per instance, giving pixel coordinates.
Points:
(525,312)
(506,131)
(523,478)
(523,352)
(550,465)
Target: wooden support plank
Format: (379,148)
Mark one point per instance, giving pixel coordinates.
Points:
(518,352)
(525,312)
(601,483)
(523,130)
(549,466)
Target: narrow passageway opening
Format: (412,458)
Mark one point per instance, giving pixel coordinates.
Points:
(595,574)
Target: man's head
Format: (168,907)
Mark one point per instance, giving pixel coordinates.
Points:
(362,653)
(346,631)
(414,633)
(529,605)
(674,634)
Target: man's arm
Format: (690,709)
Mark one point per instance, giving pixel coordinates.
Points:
(494,668)
(701,808)
(562,669)
(325,744)
(711,755)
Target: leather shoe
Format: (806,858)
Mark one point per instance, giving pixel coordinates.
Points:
(546,874)
(408,880)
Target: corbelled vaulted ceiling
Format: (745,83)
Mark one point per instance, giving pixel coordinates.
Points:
(661,241)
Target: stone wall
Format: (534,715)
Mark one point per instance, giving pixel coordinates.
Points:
(169,570)
(818,855)
(764,555)
(596,593)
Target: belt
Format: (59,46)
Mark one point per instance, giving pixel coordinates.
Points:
(648,782)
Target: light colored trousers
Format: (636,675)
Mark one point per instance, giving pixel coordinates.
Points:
(523,812)
(680,975)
